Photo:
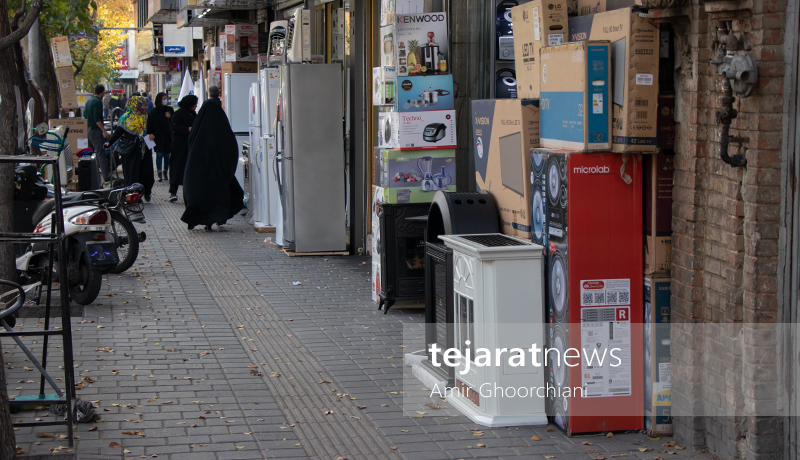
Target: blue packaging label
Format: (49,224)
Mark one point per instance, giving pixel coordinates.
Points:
(562,119)
(598,118)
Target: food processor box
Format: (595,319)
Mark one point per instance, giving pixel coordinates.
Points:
(423,130)
(383,85)
(634,39)
(241,42)
(424,94)
(417,35)
(536,24)
(504,131)
(415,176)
(576,96)
(657,355)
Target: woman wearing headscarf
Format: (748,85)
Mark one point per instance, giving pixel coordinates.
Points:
(181,127)
(210,189)
(130,133)
(159,129)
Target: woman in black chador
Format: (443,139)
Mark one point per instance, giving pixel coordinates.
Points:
(210,189)
(182,122)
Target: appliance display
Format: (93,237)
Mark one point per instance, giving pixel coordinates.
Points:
(505,30)
(421,94)
(298,37)
(238,87)
(506,85)
(422,44)
(276,40)
(311,158)
(422,130)
(269,84)
(594,285)
(434,132)
(413,176)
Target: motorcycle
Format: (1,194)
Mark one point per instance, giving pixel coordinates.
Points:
(89,253)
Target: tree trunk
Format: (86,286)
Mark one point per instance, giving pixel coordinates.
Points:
(46,78)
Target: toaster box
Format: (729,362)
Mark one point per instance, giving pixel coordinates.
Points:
(634,39)
(536,24)
(504,131)
(657,356)
(576,93)
(383,85)
(415,176)
(421,44)
(598,6)
(423,94)
(421,130)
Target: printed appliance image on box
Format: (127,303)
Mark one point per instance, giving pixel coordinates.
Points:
(383,85)
(423,130)
(576,96)
(423,94)
(422,44)
(594,300)
(504,131)
(657,356)
(415,176)
(634,41)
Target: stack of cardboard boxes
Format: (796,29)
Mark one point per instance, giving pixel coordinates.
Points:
(589,95)
(238,53)
(66,82)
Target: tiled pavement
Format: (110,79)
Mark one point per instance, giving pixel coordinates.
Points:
(208,349)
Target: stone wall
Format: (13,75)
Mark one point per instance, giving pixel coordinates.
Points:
(725,237)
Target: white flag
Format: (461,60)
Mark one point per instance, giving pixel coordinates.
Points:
(187,87)
(201,95)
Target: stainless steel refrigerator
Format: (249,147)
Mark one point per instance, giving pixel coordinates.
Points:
(311,157)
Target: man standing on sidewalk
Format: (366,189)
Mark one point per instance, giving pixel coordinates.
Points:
(97,130)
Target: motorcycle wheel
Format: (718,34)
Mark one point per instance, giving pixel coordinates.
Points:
(87,287)
(127,241)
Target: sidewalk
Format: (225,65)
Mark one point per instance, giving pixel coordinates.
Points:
(207,350)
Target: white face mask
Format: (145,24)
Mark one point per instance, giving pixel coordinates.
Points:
(165,102)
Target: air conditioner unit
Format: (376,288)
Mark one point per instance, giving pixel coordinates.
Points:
(298,37)
(276,43)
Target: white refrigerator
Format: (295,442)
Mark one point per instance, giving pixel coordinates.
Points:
(264,166)
(237,102)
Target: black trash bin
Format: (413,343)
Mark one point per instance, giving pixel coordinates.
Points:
(456,213)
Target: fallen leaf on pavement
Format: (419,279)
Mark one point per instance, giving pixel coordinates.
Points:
(587,443)
(44,435)
(536,437)
(114,444)
(609,435)
(94,428)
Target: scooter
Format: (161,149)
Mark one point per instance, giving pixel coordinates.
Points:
(89,253)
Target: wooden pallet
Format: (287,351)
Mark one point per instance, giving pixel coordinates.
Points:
(265,229)
(291,253)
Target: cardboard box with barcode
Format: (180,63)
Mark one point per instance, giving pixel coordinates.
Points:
(59,46)
(66,88)
(576,96)
(599,6)
(536,24)
(634,41)
(503,132)
(78,135)
(657,356)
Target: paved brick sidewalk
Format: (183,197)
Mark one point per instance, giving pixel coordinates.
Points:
(175,346)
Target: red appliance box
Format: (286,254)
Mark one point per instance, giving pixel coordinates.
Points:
(594,286)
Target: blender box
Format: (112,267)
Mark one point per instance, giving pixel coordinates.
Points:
(423,94)
(241,42)
(423,130)
(383,85)
(599,6)
(536,24)
(503,132)
(634,39)
(576,96)
(657,357)
(422,44)
(416,176)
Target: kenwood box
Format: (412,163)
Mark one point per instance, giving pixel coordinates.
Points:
(576,96)
(594,287)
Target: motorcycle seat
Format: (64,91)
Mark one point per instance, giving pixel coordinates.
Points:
(46,207)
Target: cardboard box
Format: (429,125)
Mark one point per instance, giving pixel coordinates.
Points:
(238,67)
(241,42)
(665,122)
(576,96)
(415,176)
(657,357)
(417,94)
(504,131)
(383,85)
(66,88)
(536,24)
(375,246)
(78,135)
(417,37)
(634,41)
(216,58)
(422,130)
(390,8)
(60,49)
(658,170)
(586,7)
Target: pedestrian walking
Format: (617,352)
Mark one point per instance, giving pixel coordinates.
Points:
(211,192)
(159,128)
(97,131)
(150,104)
(106,106)
(182,123)
(130,132)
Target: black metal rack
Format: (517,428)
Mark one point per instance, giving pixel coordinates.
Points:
(56,242)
